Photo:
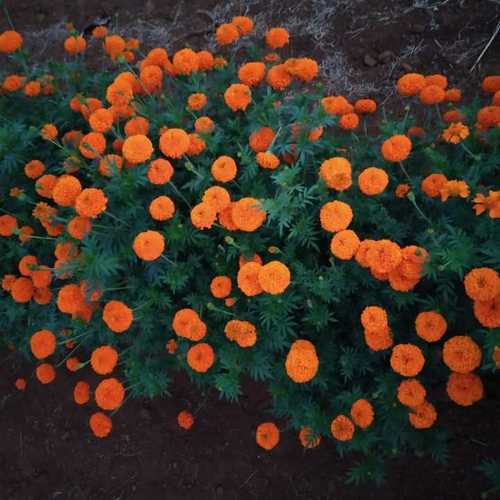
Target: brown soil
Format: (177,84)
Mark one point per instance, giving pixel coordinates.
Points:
(47,450)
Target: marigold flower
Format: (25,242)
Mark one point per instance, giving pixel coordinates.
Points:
(410,84)
(241,332)
(277,38)
(267,435)
(101,120)
(422,416)
(489,116)
(274,277)
(203,215)
(490,203)
(278,77)
(349,121)
(411,392)
(261,139)
(315,134)
(407,360)
(374,318)
(20,384)
(13,83)
(185,420)
(110,163)
(171,346)
(66,190)
(99,32)
(100,424)
(373,181)
(149,245)
(362,413)
(397,148)
(32,89)
(120,93)
(268,160)
(204,125)
(433,184)
(487,312)
(205,60)
(42,296)
(8,281)
(243,23)
(104,359)
(337,173)
(43,344)
(238,96)
(70,299)
(453,95)
(114,45)
(252,73)
(91,202)
(302,362)
(226,34)
(335,216)
(174,143)
(81,393)
(25,233)
(186,323)
(482,283)
(160,171)
(303,68)
(217,197)
(75,44)
(308,439)
(109,394)
(117,316)
(10,41)
(342,428)
(248,279)
(45,373)
(8,224)
(201,357)
(92,145)
(384,256)
(137,149)
(336,105)
(365,106)
(456,133)
(162,208)
(344,244)
(491,84)
(461,354)
(185,62)
(224,169)
(464,389)
(430,326)
(432,94)
(247,214)
(27,265)
(49,132)
(221,286)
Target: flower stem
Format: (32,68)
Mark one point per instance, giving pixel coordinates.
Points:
(174,187)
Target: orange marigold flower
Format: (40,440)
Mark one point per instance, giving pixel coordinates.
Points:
(456,133)
(303,68)
(344,244)
(361,252)
(241,332)
(42,296)
(416,132)
(103,359)
(374,318)
(204,125)
(27,265)
(114,45)
(437,79)
(162,208)
(491,84)
(308,439)
(218,197)
(221,286)
(410,84)
(453,116)
(160,171)
(32,89)
(49,132)
(66,190)
(489,116)
(110,163)
(8,224)
(454,189)
(315,134)
(75,44)
(186,323)
(337,105)
(277,38)
(453,95)
(433,184)
(267,435)
(92,145)
(278,77)
(25,232)
(70,299)
(461,354)
(203,215)
(149,245)
(373,181)
(185,420)
(247,214)
(81,393)
(78,227)
(411,392)
(238,96)
(248,279)
(201,357)
(100,424)
(205,60)
(407,360)
(136,126)
(243,23)
(226,217)
(254,258)
(464,389)
(384,256)
(120,93)
(261,139)
(335,216)
(10,41)
(43,344)
(302,362)
(197,101)
(490,203)
(430,326)
(99,32)
(349,121)
(7,282)
(487,312)
(172,346)
(117,316)
(224,169)
(12,83)
(337,173)
(45,373)
(91,202)
(432,94)
(109,394)
(151,78)
(422,416)
(274,277)
(45,185)
(397,148)
(226,34)
(137,149)
(268,160)
(185,62)
(365,106)
(174,143)
(362,413)
(252,73)
(101,120)
(20,384)
(342,428)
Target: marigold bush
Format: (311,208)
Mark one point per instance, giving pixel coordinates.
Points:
(190,212)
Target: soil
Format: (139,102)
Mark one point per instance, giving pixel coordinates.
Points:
(47,449)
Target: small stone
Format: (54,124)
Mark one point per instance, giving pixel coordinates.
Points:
(369,61)
(386,56)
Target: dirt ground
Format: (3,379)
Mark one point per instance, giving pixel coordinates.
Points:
(47,450)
